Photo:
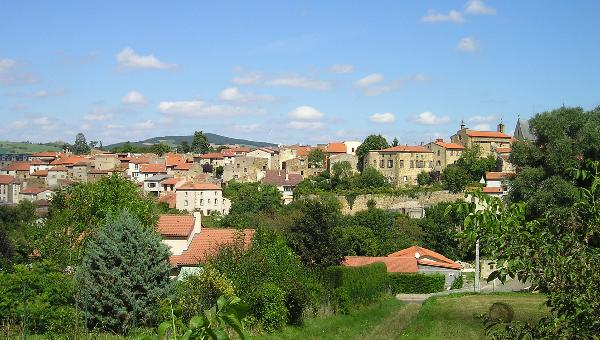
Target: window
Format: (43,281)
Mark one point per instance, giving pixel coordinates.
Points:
(439,163)
(401,164)
(405,178)
(301,162)
(382,163)
(431,164)
(264,168)
(451,152)
(438,152)
(390,163)
(412,164)
(185,203)
(301,173)
(238,165)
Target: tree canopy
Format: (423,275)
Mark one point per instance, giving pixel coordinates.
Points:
(200,143)
(372,142)
(80,147)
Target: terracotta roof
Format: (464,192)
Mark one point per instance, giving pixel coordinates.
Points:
(153,168)
(207,242)
(40,173)
(488,134)
(336,148)
(277,178)
(171,181)
(440,260)
(228,153)
(46,154)
(175,225)
(238,150)
(406,148)
(393,264)
(184,166)
(139,160)
(503,150)
(497,176)
(170,198)
(492,190)
(68,160)
(211,155)
(266,150)
(38,162)
(33,191)
(58,168)
(199,186)
(17,166)
(172,159)
(448,145)
(7,179)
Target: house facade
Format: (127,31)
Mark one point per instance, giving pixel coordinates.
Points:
(203,197)
(401,164)
(444,153)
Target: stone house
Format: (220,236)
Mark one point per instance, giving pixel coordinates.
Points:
(152,185)
(401,164)
(270,155)
(56,174)
(10,188)
(213,158)
(444,153)
(169,185)
(203,197)
(285,183)
(345,157)
(149,170)
(245,169)
(19,170)
(487,141)
(35,194)
(106,161)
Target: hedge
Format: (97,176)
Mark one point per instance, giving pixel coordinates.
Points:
(413,283)
(362,284)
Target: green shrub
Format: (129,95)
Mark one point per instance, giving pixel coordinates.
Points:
(413,283)
(363,284)
(268,305)
(341,300)
(457,283)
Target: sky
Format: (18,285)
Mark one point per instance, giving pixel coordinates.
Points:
(290,71)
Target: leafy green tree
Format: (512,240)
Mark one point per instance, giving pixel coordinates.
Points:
(371,178)
(358,241)
(372,142)
(219,171)
(441,231)
(341,175)
(474,164)
(124,272)
(395,142)
(160,148)
(80,147)
(316,158)
(247,199)
(200,143)
(455,179)
(76,211)
(423,178)
(313,236)
(16,223)
(184,147)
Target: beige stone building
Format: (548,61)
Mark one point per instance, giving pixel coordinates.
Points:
(203,197)
(10,188)
(245,169)
(270,155)
(106,161)
(401,164)
(487,141)
(444,153)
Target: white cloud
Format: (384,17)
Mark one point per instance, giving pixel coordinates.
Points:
(452,16)
(248,78)
(478,7)
(482,127)
(294,124)
(198,108)
(45,93)
(234,94)
(468,45)
(148,124)
(247,127)
(482,119)
(305,113)
(429,118)
(134,97)
(382,117)
(42,121)
(369,80)
(341,68)
(295,80)
(7,64)
(127,59)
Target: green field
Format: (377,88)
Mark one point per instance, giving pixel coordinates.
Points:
(23,147)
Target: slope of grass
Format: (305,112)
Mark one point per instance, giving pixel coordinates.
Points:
(452,316)
(21,147)
(381,320)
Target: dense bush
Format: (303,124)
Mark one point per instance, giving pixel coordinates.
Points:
(269,308)
(362,284)
(413,283)
(457,283)
(41,296)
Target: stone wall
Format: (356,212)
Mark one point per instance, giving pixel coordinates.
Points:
(409,205)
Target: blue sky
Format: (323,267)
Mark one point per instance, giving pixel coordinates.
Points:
(290,72)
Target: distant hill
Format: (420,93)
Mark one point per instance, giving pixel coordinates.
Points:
(212,138)
(7,147)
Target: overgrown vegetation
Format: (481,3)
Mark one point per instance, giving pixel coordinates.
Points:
(351,287)
(414,283)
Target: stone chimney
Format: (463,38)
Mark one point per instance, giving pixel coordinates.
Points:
(501,127)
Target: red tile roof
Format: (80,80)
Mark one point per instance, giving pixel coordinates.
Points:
(207,243)
(7,179)
(393,264)
(492,190)
(199,186)
(17,166)
(58,168)
(40,173)
(175,225)
(336,148)
(69,160)
(169,198)
(171,181)
(497,176)
(277,178)
(211,155)
(228,153)
(406,148)
(172,159)
(33,191)
(448,145)
(139,160)
(439,259)
(153,168)
(487,134)
(237,150)
(183,166)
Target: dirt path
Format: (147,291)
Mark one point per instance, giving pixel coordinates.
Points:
(391,326)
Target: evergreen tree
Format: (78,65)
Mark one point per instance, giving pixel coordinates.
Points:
(80,147)
(124,273)
(200,143)
(395,142)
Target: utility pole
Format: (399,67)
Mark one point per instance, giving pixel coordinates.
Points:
(477,269)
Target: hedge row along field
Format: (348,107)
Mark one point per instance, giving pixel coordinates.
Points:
(353,286)
(409,283)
